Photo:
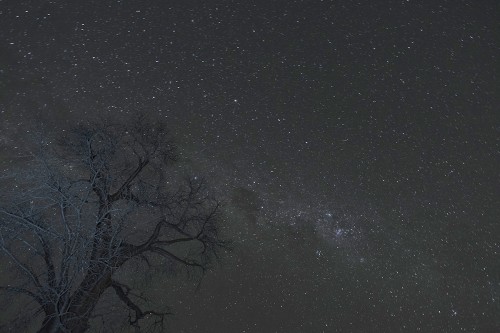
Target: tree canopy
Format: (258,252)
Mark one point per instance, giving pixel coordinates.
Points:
(103,196)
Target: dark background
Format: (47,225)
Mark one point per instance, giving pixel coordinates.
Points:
(354,142)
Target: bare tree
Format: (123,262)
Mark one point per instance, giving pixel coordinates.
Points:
(102,197)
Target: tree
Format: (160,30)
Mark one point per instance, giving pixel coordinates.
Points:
(99,199)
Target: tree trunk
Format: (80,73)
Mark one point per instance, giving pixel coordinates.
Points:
(83,302)
(53,324)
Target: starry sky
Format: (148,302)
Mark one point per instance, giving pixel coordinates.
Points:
(356,144)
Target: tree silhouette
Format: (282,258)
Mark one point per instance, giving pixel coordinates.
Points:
(100,198)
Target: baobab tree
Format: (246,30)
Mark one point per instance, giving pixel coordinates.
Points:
(83,208)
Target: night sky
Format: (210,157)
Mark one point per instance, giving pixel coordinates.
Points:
(355,143)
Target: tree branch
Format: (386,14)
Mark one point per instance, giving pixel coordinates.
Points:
(122,291)
(167,254)
(119,193)
(20,290)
